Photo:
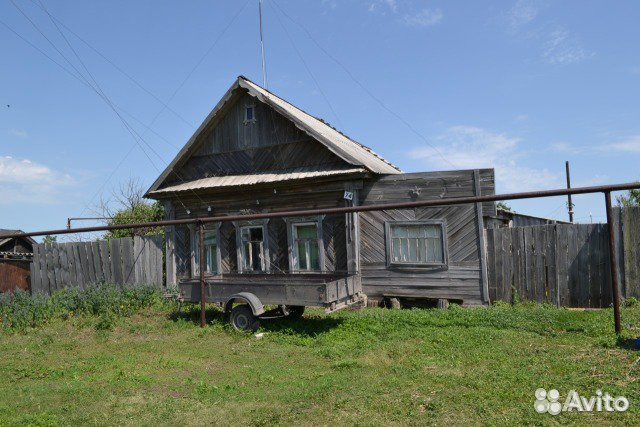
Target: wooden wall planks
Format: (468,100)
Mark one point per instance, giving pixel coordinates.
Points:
(564,264)
(126,261)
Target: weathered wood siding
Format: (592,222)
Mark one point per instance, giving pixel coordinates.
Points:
(126,261)
(271,142)
(462,279)
(288,196)
(564,264)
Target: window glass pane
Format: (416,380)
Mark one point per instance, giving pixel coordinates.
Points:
(212,259)
(256,234)
(395,249)
(246,255)
(249,113)
(302,256)
(415,231)
(398,231)
(438,255)
(314,255)
(256,257)
(209,237)
(308,231)
(416,243)
(413,250)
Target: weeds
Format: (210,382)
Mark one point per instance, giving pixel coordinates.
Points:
(22,310)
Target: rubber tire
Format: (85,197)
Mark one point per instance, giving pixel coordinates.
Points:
(295,311)
(242,319)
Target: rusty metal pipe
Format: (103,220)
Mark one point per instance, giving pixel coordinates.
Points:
(615,287)
(345,209)
(202,264)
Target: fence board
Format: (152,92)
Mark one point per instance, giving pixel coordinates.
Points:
(564,264)
(125,261)
(128,261)
(116,261)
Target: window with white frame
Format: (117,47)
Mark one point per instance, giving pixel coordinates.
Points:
(306,250)
(252,248)
(416,243)
(306,246)
(210,251)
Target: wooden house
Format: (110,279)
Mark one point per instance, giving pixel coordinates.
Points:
(256,152)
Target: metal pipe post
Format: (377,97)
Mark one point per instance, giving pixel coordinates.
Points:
(203,291)
(615,289)
(569,202)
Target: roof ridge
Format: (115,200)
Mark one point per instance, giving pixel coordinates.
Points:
(370,150)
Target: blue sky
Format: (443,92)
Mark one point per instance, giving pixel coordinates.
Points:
(516,85)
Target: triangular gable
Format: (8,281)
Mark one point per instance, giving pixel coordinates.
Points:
(345,148)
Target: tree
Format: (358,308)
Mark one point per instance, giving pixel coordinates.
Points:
(632,198)
(503,206)
(128,206)
(49,239)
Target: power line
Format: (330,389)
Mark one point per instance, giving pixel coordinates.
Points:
(313,77)
(363,87)
(114,65)
(202,58)
(97,89)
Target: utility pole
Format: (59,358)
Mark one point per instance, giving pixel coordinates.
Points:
(264,58)
(569,203)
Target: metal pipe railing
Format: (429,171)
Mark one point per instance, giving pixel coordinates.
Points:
(201,221)
(341,210)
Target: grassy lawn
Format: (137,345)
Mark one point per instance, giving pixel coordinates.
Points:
(392,367)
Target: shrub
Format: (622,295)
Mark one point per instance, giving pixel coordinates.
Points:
(21,310)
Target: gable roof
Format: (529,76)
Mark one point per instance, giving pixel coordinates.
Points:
(4,231)
(342,146)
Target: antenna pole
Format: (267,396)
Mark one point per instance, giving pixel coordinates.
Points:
(264,59)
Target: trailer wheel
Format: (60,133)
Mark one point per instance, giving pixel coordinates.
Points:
(242,319)
(295,311)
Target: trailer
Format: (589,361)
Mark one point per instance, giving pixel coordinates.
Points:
(247,299)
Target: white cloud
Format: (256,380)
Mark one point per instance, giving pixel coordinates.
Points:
(382,5)
(521,118)
(629,145)
(424,18)
(25,181)
(470,147)
(561,47)
(20,133)
(556,44)
(522,13)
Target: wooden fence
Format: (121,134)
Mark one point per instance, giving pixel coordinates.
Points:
(565,264)
(125,261)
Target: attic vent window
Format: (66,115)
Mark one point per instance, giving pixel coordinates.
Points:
(249,114)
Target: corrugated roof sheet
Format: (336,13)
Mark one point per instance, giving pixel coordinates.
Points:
(350,150)
(253,179)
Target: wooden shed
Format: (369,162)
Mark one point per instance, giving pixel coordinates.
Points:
(256,152)
(15,257)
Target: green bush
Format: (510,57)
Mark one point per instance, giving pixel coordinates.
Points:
(22,310)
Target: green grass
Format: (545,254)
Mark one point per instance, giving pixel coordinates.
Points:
(404,367)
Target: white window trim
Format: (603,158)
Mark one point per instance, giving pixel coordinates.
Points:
(412,265)
(292,248)
(247,120)
(266,264)
(194,242)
